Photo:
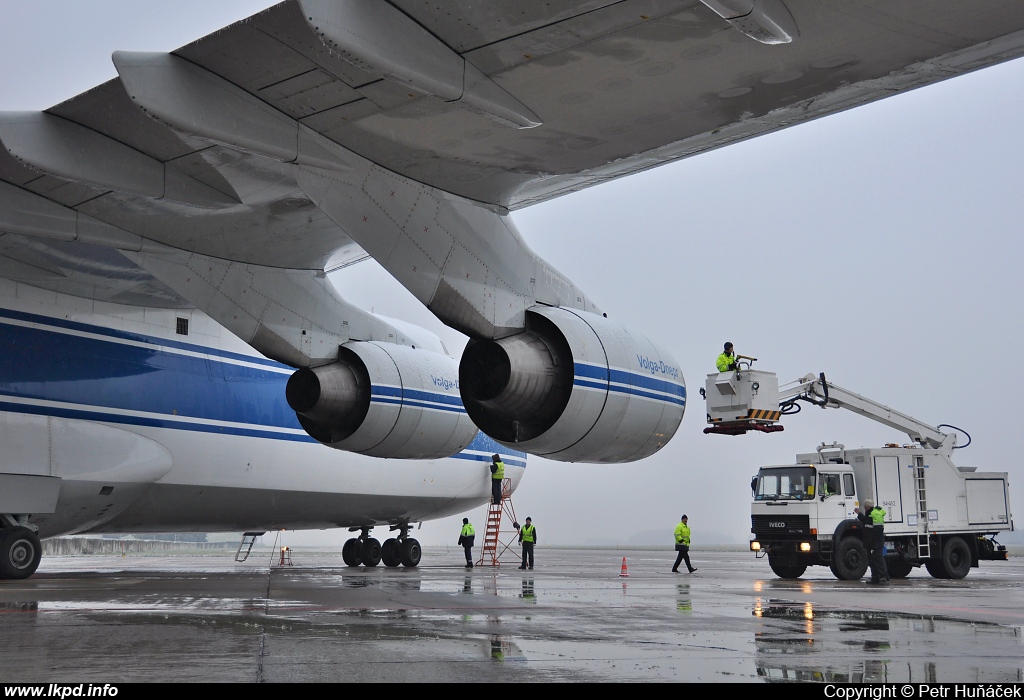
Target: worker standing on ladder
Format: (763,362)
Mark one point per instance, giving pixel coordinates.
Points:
(466,538)
(528,536)
(497,475)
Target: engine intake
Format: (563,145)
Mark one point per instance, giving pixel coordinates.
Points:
(574,387)
(383,400)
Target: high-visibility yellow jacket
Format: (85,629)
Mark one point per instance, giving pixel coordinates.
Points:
(724,361)
(683,534)
(497,470)
(528,533)
(467,530)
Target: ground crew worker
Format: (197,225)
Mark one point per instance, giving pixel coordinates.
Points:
(873,519)
(727,360)
(528,536)
(497,474)
(682,535)
(466,538)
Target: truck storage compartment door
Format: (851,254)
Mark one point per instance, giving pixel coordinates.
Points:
(986,501)
(888,494)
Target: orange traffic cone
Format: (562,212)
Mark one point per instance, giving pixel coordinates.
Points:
(625,571)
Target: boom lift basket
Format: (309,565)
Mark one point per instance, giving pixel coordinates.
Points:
(742,400)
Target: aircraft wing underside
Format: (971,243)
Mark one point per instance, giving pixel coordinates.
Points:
(616,87)
(230,174)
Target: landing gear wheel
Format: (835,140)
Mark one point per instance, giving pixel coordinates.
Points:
(20,552)
(410,553)
(371,553)
(936,569)
(787,569)
(351,552)
(956,557)
(389,553)
(850,560)
(898,568)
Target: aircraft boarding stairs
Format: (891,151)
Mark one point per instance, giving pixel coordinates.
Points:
(494,548)
(248,540)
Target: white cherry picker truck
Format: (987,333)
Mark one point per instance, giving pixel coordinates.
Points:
(937,514)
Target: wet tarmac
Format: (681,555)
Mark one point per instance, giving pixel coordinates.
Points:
(207,618)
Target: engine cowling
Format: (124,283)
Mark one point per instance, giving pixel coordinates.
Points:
(383,400)
(574,387)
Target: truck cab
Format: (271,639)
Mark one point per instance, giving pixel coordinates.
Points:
(797,510)
(936,514)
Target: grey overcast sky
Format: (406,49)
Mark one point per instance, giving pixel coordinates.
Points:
(881,246)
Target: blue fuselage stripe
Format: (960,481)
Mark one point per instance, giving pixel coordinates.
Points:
(111,417)
(139,338)
(53,366)
(53,370)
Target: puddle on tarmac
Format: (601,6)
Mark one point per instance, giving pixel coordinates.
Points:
(804,642)
(145,604)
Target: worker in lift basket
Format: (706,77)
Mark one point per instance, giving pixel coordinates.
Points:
(873,518)
(727,360)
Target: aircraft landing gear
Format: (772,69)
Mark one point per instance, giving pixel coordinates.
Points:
(351,552)
(390,554)
(366,551)
(406,549)
(410,553)
(371,552)
(20,552)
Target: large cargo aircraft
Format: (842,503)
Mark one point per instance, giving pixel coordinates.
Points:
(175,355)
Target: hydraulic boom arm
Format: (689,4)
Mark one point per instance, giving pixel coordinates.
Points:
(821,392)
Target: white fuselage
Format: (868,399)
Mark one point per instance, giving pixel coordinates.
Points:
(148,429)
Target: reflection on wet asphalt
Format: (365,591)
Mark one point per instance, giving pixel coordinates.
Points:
(98,619)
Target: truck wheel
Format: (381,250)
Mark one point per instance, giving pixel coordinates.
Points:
(898,568)
(20,552)
(850,559)
(956,557)
(832,567)
(936,569)
(787,569)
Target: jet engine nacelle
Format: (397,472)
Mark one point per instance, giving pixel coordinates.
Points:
(575,387)
(383,400)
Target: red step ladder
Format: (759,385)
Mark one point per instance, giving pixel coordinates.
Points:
(494,547)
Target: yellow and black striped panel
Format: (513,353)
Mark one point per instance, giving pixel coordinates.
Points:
(761,414)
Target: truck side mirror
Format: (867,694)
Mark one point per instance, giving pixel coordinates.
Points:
(753,485)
